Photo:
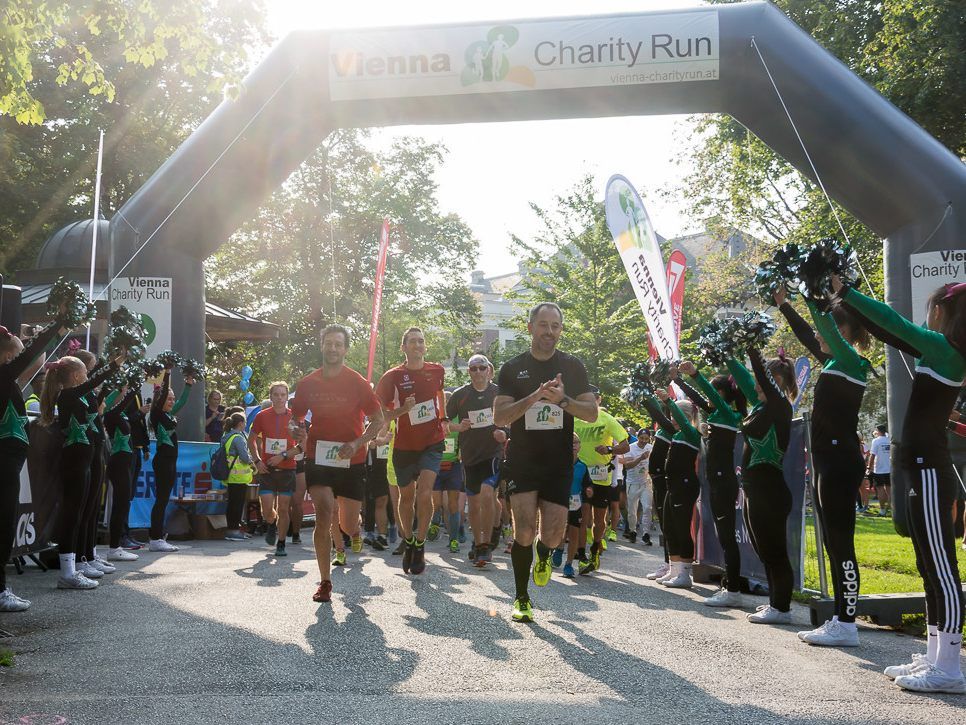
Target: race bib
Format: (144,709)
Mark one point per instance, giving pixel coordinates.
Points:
(575,502)
(449,446)
(382,451)
(481,418)
(275,446)
(327,454)
(423,412)
(544,416)
(598,473)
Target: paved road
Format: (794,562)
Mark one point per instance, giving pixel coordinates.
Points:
(226,633)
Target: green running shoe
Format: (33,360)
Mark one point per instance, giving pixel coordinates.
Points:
(454,546)
(339,558)
(611,534)
(588,566)
(541,571)
(522,610)
(433,532)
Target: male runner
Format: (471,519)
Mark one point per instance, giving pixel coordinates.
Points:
(600,441)
(540,393)
(413,393)
(339,399)
(448,488)
(638,491)
(273,449)
(481,447)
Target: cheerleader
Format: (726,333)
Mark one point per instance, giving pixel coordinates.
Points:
(120,466)
(15,358)
(925,463)
(656,468)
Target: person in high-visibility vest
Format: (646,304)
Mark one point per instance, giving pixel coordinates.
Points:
(240,473)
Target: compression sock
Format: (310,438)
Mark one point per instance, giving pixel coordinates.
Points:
(932,642)
(454,526)
(543,550)
(522,559)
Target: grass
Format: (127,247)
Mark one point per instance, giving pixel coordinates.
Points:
(6,657)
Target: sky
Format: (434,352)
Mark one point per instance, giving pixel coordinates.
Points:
(547,157)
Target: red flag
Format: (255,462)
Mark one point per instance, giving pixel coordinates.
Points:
(377,295)
(677,266)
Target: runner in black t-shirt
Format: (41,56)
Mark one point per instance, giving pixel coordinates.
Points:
(540,393)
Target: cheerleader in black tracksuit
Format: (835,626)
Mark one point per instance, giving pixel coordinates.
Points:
(165,462)
(15,358)
(924,462)
(657,470)
(68,388)
(120,467)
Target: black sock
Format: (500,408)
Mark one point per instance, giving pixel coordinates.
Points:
(543,551)
(522,559)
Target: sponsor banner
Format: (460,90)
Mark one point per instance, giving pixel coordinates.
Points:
(193,477)
(803,371)
(377,296)
(522,56)
(639,250)
(930,270)
(677,267)
(709,551)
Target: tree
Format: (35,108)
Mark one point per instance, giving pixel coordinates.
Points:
(574,263)
(308,259)
(47,170)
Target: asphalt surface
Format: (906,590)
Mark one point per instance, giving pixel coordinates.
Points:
(223,632)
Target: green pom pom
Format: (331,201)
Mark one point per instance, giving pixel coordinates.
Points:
(68,304)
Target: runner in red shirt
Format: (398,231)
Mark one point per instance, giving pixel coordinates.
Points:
(413,393)
(339,399)
(273,449)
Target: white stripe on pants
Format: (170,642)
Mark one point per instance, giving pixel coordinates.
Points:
(639,493)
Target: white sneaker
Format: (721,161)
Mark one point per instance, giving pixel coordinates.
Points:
(161,545)
(767,614)
(88,569)
(832,634)
(102,565)
(932,679)
(918,662)
(10,602)
(78,581)
(120,554)
(681,580)
(724,598)
(820,628)
(661,572)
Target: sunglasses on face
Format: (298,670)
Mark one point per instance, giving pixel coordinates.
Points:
(478,368)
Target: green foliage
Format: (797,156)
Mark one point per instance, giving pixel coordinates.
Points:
(573,262)
(6,657)
(308,259)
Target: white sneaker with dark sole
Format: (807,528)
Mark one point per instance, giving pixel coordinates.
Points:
(932,679)
(10,602)
(769,615)
(832,634)
(78,581)
(724,598)
(120,554)
(918,662)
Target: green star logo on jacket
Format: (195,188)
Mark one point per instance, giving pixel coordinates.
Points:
(76,433)
(766,450)
(121,443)
(163,436)
(13,425)
(92,421)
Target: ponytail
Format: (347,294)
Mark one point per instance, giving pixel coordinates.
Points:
(731,393)
(58,375)
(782,369)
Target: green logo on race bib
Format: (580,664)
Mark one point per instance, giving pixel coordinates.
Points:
(544,415)
(423,411)
(481,418)
(332,454)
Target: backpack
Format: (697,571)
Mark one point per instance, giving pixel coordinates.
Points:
(220,468)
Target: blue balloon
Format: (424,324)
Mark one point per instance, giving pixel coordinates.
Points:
(249,398)
(243,384)
(246,372)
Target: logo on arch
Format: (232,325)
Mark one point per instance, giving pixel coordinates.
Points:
(489,60)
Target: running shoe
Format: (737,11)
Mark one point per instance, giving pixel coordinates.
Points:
(603,543)
(681,580)
(130,544)
(507,532)
(568,570)
(509,546)
(522,610)
(379,543)
(10,602)
(471,555)
(121,554)
(462,534)
(339,558)
(401,549)
(297,538)
(557,558)
(610,534)
(930,678)
(484,556)
(646,539)
(495,538)
(323,593)
(102,565)
(356,544)
(661,571)
(271,534)
(433,532)
(632,537)
(78,581)
(88,570)
(542,571)
(161,545)
(724,598)
(367,540)
(918,662)
(820,628)
(587,567)
(235,536)
(454,546)
(769,615)
(408,550)
(418,565)
(833,634)
(392,534)
(280,549)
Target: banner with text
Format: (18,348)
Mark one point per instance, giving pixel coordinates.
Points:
(931,270)
(677,267)
(377,296)
(528,55)
(639,250)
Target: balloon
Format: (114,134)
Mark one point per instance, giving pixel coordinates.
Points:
(246,372)
(249,398)
(243,384)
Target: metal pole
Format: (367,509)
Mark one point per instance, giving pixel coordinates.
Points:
(97,210)
(819,538)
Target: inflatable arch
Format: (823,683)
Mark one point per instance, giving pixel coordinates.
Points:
(872,158)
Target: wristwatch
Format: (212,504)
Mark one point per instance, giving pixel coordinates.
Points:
(564,403)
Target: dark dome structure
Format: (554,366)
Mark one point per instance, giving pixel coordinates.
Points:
(70,247)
